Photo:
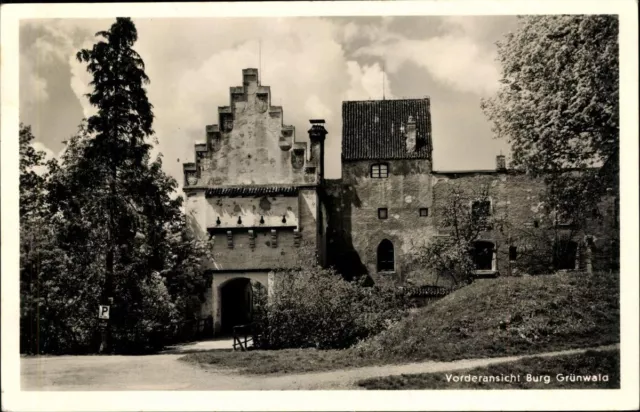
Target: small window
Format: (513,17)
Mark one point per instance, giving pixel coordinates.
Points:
(563,219)
(380,171)
(513,253)
(382,213)
(481,208)
(480,211)
(424,212)
(564,255)
(536,223)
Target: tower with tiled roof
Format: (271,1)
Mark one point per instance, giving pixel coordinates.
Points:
(382,205)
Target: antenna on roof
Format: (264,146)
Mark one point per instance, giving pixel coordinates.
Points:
(259,59)
(383,79)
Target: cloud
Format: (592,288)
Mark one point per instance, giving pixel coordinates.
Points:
(56,46)
(366,82)
(80,79)
(311,64)
(303,61)
(455,57)
(33,87)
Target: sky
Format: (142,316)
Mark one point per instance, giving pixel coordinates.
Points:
(311,63)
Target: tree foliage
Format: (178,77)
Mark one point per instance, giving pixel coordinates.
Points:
(31,183)
(111,225)
(464,216)
(310,306)
(558,100)
(558,104)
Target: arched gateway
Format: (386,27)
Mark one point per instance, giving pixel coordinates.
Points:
(236,305)
(234,299)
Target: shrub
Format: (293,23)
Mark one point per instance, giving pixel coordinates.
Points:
(317,308)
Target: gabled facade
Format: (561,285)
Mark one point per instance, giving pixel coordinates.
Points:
(253,190)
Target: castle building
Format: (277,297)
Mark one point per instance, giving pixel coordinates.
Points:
(253,189)
(260,195)
(382,205)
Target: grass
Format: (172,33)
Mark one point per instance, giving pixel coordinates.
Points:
(263,362)
(508,316)
(490,318)
(529,373)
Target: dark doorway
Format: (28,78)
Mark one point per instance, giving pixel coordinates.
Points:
(236,304)
(386,257)
(483,255)
(564,255)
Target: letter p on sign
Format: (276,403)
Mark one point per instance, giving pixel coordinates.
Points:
(103,312)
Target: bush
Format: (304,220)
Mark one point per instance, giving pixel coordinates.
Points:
(318,308)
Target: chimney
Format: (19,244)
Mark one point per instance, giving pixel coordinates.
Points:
(411,135)
(317,135)
(501,163)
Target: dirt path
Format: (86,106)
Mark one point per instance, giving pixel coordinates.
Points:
(165,372)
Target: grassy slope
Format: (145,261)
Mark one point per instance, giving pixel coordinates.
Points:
(507,316)
(588,363)
(492,317)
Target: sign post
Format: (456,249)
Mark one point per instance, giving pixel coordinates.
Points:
(103,312)
(103,316)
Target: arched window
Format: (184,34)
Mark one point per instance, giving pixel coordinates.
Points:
(386,260)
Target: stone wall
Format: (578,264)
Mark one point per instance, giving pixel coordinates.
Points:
(251,245)
(355,230)
(517,201)
(517,204)
(250,145)
(250,150)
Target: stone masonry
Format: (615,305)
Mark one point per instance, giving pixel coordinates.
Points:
(259,195)
(253,191)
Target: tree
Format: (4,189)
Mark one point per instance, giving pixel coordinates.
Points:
(124,118)
(109,227)
(311,306)
(464,215)
(31,183)
(558,102)
(31,220)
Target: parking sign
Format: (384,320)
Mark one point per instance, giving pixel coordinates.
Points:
(103,312)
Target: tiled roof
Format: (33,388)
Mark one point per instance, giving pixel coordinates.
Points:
(372,129)
(252,191)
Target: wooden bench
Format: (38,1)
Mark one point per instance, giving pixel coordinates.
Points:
(242,337)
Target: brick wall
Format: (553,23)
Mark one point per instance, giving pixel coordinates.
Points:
(518,201)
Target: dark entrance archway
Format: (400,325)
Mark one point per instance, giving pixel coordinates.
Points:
(236,304)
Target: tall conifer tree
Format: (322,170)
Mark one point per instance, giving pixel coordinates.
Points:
(120,127)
